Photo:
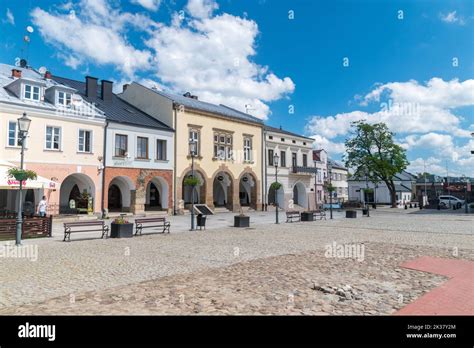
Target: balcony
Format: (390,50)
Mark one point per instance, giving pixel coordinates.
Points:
(304,170)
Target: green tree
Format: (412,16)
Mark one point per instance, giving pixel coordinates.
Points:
(372,151)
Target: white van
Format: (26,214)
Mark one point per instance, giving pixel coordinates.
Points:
(450,201)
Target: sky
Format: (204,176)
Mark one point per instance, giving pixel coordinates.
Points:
(311,67)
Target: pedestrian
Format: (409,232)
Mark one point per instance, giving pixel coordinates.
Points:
(43,204)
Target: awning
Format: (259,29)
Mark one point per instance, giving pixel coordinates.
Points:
(11,183)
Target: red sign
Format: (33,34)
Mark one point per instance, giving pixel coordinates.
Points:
(12,182)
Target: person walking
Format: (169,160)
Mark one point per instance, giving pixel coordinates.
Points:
(42,205)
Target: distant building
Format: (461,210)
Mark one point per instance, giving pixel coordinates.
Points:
(404,187)
(339,181)
(320,158)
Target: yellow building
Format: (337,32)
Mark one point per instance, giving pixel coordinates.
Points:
(229,159)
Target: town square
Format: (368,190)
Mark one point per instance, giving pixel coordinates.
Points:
(188,163)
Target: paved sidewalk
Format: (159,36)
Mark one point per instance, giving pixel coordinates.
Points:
(454,297)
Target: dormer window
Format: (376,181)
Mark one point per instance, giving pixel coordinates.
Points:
(32,92)
(64,98)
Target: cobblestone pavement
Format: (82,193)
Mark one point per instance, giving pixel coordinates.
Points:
(269,270)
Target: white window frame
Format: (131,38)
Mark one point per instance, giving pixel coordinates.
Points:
(66,97)
(247,149)
(165,149)
(17,138)
(32,93)
(196,137)
(90,141)
(52,137)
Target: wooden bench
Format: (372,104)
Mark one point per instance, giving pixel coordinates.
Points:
(158,222)
(319,214)
(293,215)
(84,226)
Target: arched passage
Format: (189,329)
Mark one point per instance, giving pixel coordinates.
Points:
(199,191)
(222,190)
(76,187)
(299,195)
(119,195)
(280,195)
(157,192)
(248,191)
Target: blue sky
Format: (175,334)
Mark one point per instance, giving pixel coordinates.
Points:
(410,63)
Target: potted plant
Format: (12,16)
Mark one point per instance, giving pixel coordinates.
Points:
(121,228)
(21,174)
(241,220)
(191,181)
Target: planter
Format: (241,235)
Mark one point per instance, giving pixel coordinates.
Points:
(121,230)
(201,221)
(241,221)
(351,214)
(307,216)
(365,211)
(21,176)
(374,206)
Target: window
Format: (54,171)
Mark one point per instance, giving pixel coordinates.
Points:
(53,138)
(142,148)
(161,150)
(293,141)
(283,139)
(121,145)
(85,141)
(247,149)
(294,162)
(270,137)
(305,160)
(270,157)
(64,98)
(194,135)
(283,158)
(32,92)
(13,134)
(222,146)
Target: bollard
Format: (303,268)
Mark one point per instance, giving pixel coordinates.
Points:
(406,206)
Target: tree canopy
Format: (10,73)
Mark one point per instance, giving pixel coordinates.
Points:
(371,151)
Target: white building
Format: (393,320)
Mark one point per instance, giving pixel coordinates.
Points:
(404,183)
(296,169)
(339,181)
(320,159)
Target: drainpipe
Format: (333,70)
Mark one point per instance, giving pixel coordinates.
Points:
(103,170)
(264,169)
(175,159)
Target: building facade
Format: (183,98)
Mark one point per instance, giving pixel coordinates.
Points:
(320,159)
(379,193)
(339,175)
(296,169)
(229,158)
(138,161)
(65,142)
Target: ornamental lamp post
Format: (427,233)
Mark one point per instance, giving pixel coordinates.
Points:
(316,185)
(23,128)
(275,163)
(192,152)
(330,191)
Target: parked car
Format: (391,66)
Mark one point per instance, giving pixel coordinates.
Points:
(450,201)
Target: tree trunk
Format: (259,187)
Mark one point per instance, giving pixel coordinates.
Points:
(393,194)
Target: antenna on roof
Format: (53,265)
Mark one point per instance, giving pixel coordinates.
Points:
(42,70)
(23,61)
(248,107)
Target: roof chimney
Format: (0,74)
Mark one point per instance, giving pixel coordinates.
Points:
(91,87)
(16,73)
(106,90)
(48,75)
(125,86)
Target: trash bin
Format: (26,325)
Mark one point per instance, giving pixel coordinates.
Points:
(351,214)
(201,221)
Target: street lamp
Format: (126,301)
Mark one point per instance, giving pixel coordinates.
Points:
(330,191)
(367,191)
(315,185)
(23,127)
(275,163)
(193,153)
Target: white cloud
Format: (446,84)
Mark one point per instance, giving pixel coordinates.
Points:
(152,5)
(452,17)
(92,36)
(201,8)
(210,56)
(422,115)
(10,18)
(331,147)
